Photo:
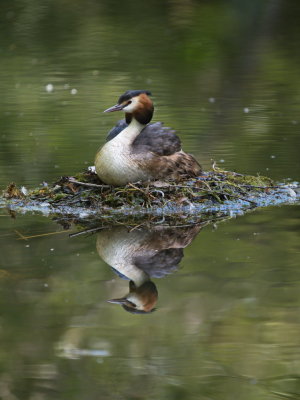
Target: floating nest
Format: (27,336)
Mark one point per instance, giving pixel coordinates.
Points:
(215,190)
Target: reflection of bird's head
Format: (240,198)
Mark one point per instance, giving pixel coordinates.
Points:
(140,299)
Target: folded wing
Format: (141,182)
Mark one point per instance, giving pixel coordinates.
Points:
(154,138)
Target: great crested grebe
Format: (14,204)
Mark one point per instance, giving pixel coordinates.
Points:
(138,151)
(142,254)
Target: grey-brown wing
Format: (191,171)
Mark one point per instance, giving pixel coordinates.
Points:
(116,129)
(154,138)
(157,139)
(159,264)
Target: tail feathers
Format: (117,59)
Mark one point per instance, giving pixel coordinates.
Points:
(177,166)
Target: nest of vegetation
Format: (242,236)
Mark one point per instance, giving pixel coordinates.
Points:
(87,191)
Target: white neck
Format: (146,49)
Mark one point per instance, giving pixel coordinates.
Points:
(133,273)
(129,134)
(118,248)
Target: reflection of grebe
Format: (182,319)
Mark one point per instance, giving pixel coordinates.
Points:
(139,151)
(141,254)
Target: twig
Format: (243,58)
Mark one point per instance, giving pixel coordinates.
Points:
(213,165)
(20,234)
(87,231)
(72,180)
(158,191)
(235,196)
(141,190)
(39,235)
(261,187)
(136,227)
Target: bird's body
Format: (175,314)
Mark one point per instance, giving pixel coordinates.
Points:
(139,151)
(116,162)
(141,254)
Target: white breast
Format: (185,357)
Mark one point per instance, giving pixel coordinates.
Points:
(115,163)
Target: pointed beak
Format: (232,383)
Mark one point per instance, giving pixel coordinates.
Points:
(118,301)
(117,107)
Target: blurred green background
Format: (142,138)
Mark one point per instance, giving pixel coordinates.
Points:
(225,75)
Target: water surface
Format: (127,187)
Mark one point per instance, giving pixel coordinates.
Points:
(226,318)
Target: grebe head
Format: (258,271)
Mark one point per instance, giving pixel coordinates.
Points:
(136,104)
(140,299)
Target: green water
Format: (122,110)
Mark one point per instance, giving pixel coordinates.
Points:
(225,75)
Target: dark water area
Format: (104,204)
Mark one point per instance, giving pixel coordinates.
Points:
(225,76)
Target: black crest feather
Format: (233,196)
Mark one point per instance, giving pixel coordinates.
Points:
(132,93)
